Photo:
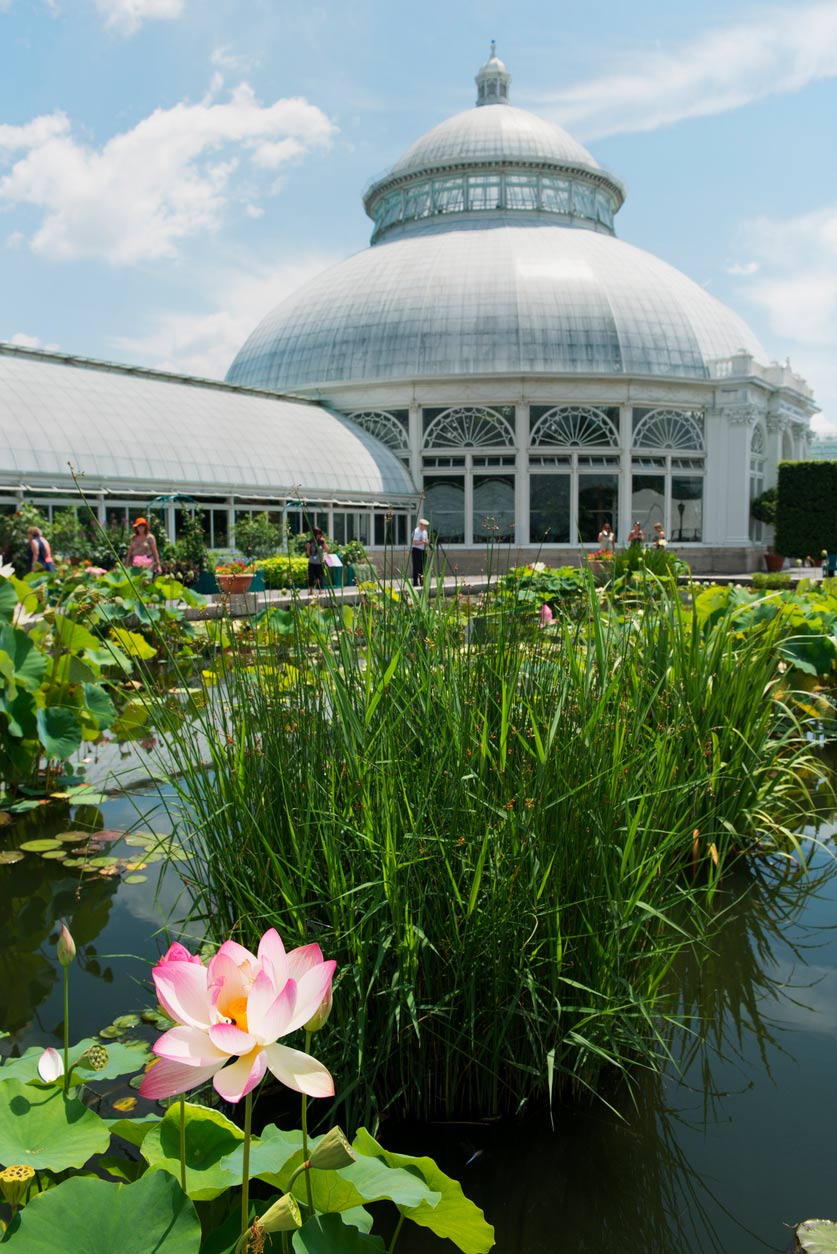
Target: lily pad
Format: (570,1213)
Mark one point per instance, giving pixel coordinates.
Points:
(42,1128)
(817,1236)
(123,1059)
(40,846)
(126,1021)
(210,1140)
(8,856)
(107,835)
(56,855)
(72,838)
(104,861)
(87,1216)
(135,879)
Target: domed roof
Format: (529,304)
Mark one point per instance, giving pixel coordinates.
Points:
(492,298)
(120,425)
(507,135)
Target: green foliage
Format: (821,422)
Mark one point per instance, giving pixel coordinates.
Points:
(763,507)
(806,520)
(816,1236)
(14,542)
(352,553)
(46,1130)
(67,535)
(285,571)
(191,547)
(256,536)
(770,582)
(88,1216)
(496,832)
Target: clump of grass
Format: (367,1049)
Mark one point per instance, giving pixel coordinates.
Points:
(505,837)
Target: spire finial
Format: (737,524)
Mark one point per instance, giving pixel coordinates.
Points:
(493,80)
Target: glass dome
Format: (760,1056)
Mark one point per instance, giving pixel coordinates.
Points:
(493,254)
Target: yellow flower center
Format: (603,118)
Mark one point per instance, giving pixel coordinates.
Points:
(237,1011)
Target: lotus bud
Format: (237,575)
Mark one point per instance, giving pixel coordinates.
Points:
(332,1152)
(282,1216)
(66,947)
(320,1016)
(14,1181)
(50,1066)
(96,1058)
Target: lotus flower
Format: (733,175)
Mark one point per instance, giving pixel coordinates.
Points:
(230,1015)
(50,1066)
(546,616)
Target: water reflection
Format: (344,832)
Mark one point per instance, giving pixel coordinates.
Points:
(679,1163)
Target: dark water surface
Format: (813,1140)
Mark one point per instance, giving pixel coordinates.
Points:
(726,1152)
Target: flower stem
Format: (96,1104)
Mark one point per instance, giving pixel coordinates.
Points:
(183,1141)
(66,1030)
(308,1191)
(245,1169)
(395,1234)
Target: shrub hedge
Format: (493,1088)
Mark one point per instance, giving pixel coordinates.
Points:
(284,571)
(806,520)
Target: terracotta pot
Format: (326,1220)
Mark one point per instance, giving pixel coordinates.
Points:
(232,584)
(774,562)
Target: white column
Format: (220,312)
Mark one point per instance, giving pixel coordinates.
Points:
(626,439)
(521,495)
(739,422)
(715,483)
(415,436)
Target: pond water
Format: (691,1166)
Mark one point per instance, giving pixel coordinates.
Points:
(726,1152)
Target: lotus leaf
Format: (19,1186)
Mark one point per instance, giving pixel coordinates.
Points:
(42,1128)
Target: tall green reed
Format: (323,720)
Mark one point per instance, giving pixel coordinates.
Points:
(505,836)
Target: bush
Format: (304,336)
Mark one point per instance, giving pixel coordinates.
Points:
(763,508)
(67,535)
(257,536)
(771,581)
(284,571)
(806,521)
(352,554)
(14,541)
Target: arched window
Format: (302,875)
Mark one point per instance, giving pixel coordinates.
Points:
(668,428)
(388,428)
(574,427)
(468,427)
(757,442)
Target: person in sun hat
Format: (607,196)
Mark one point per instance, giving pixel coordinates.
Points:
(420,542)
(143,546)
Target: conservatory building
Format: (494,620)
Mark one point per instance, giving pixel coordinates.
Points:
(535,374)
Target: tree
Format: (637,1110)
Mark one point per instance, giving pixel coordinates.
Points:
(256,536)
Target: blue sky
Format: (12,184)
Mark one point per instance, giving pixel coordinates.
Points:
(170,169)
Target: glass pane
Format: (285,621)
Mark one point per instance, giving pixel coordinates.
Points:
(483,193)
(338,527)
(449,195)
(648,502)
(598,502)
(417,201)
(220,522)
(687,508)
(521,192)
(756,489)
(493,508)
(444,505)
(549,509)
(584,201)
(555,195)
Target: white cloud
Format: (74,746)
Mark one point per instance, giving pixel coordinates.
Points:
(780,49)
(794,284)
(742,267)
(147,189)
(126,16)
(223,59)
(204,342)
(22,340)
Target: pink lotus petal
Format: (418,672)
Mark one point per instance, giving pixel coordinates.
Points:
(50,1065)
(303,959)
(267,1021)
(183,993)
(310,993)
(240,956)
(230,1038)
(167,1079)
(191,1046)
(179,953)
(272,957)
(299,1071)
(235,1081)
(227,981)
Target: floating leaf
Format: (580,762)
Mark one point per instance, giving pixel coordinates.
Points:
(125,1104)
(123,1059)
(135,866)
(108,835)
(46,1130)
(86,1214)
(135,879)
(72,838)
(817,1236)
(103,861)
(8,856)
(40,846)
(56,855)
(126,1021)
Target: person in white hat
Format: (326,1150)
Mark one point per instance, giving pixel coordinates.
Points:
(420,542)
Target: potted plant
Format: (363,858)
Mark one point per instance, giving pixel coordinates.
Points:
(233,577)
(763,509)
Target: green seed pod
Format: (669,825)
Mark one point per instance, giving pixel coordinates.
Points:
(332,1152)
(14,1181)
(282,1216)
(96,1058)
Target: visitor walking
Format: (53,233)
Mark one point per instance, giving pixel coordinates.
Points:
(419,550)
(658,540)
(636,535)
(40,554)
(316,548)
(607,540)
(142,549)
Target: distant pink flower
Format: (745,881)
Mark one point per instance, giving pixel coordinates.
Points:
(50,1066)
(95,570)
(141,560)
(230,1014)
(179,953)
(546,615)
